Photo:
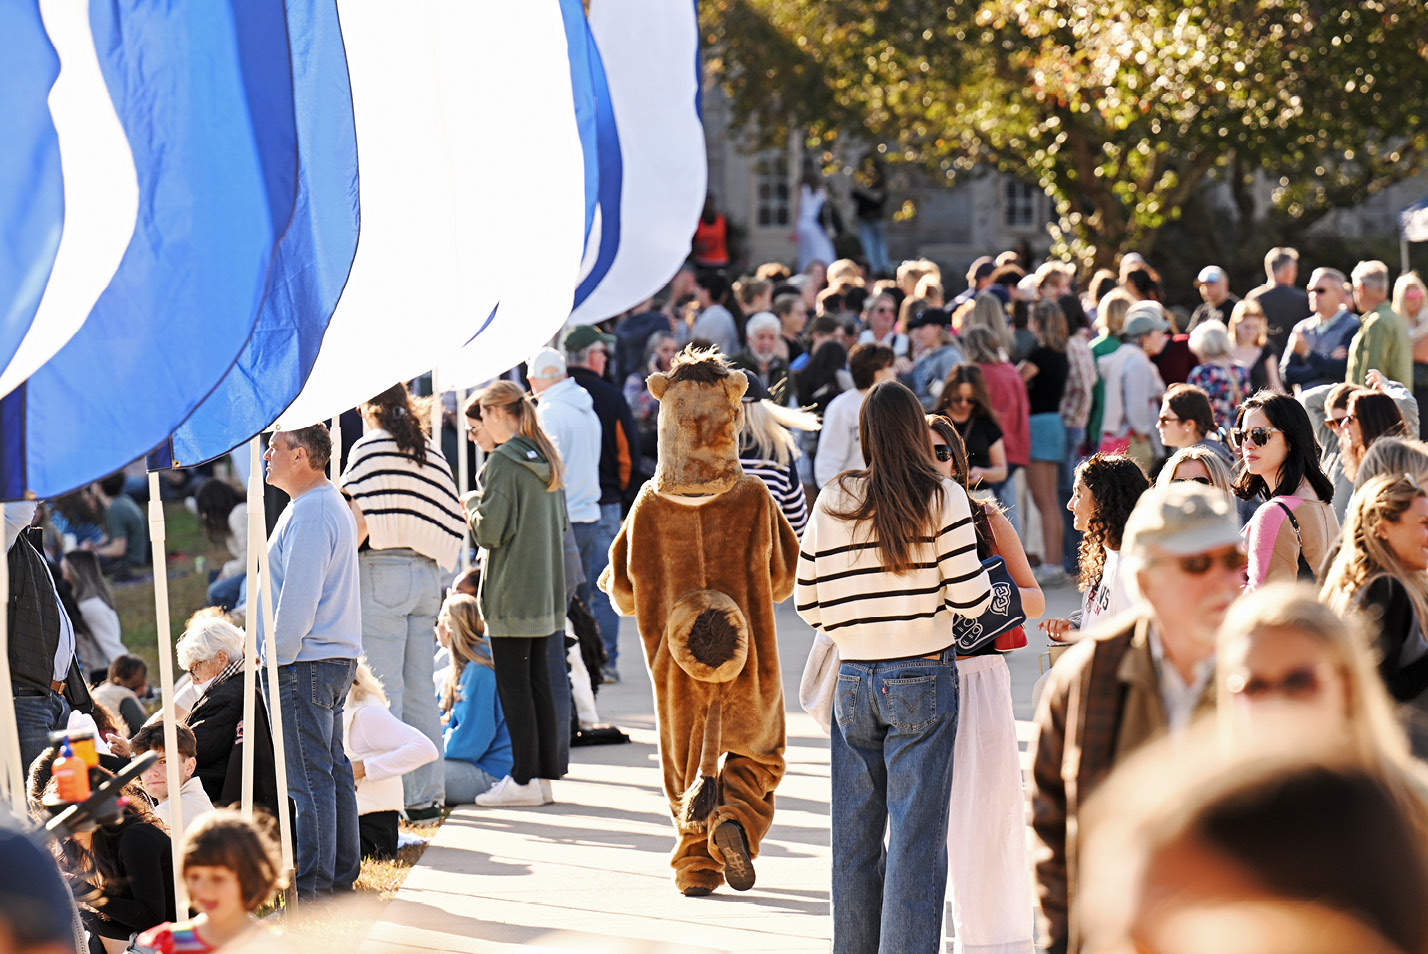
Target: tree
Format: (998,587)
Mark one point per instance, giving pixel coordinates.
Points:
(1123,112)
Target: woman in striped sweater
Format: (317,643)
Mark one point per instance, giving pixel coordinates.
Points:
(409,528)
(767,450)
(888,556)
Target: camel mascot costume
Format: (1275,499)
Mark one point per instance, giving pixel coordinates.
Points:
(700,562)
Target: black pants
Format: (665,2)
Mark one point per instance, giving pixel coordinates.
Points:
(378,832)
(523,684)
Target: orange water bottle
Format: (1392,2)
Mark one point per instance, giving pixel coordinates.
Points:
(71,776)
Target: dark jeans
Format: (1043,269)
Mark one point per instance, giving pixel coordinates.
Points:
(560,701)
(326,840)
(523,685)
(38,713)
(378,831)
(594,539)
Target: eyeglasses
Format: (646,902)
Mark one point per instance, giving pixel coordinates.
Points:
(1296,684)
(942,452)
(1258,436)
(1200,563)
(1165,419)
(1192,480)
(1334,423)
(1319,291)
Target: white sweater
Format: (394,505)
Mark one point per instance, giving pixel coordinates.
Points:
(405,503)
(870,613)
(387,747)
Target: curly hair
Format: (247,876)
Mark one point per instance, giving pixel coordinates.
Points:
(1115,484)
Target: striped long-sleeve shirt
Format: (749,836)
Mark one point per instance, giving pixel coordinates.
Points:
(844,590)
(405,503)
(784,486)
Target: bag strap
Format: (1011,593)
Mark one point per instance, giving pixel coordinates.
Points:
(1305,571)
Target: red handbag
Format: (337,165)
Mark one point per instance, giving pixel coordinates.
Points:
(1010,640)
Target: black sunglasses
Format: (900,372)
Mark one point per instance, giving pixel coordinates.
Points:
(1200,563)
(942,452)
(1258,436)
(1195,480)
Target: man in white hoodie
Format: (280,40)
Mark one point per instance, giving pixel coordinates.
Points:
(1133,384)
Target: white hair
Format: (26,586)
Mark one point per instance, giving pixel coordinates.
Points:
(1209,340)
(763,321)
(1372,274)
(207,638)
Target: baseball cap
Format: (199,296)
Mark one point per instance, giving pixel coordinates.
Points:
(581,337)
(546,363)
(1184,518)
(1144,317)
(756,391)
(930,316)
(1210,274)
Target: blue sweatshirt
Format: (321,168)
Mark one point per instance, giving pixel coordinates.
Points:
(476,728)
(312,556)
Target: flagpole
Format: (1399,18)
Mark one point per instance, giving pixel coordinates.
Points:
(256,542)
(275,715)
(13,772)
(463,472)
(166,684)
(335,463)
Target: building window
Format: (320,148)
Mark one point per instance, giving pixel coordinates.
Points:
(771,191)
(1019,209)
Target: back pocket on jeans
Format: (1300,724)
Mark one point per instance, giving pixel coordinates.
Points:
(845,697)
(910,703)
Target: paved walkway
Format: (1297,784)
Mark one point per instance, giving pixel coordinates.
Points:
(591,872)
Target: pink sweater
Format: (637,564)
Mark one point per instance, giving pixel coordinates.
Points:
(1271,542)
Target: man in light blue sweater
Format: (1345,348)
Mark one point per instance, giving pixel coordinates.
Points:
(317,627)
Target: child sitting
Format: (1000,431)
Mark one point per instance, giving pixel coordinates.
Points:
(478,746)
(155,779)
(230,868)
(382,748)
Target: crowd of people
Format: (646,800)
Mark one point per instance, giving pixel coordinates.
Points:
(1237,493)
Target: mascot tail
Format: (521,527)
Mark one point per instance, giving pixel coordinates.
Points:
(709,638)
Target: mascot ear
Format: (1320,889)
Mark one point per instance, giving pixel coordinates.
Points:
(735,385)
(657,383)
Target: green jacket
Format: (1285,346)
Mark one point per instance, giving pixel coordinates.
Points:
(519,526)
(1382,342)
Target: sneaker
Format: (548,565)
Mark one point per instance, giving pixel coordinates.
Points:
(734,846)
(610,676)
(1050,575)
(507,794)
(545,791)
(427,815)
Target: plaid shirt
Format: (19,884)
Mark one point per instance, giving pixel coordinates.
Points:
(1080,379)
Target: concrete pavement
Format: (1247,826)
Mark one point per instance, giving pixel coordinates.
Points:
(591,872)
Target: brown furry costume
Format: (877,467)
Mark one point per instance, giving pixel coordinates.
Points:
(700,562)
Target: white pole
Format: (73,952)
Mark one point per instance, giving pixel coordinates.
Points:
(463,474)
(166,683)
(334,465)
(275,711)
(256,542)
(13,773)
(1403,252)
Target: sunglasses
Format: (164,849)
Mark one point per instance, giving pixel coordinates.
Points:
(1295,684)
(1200,563)
(1258,436)
(1338,423)
(942,452)
(1165,419)
(1320,291)
(960,400)
(1192,480)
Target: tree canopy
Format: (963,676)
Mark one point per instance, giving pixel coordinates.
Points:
(1122,111)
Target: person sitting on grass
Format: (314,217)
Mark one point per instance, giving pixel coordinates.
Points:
(382,748)
(193,799)
(231,868)
(478,745)
(128,676)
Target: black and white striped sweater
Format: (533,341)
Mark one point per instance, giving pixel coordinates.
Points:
(405,503)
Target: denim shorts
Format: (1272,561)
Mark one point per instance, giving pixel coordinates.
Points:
(1048,437)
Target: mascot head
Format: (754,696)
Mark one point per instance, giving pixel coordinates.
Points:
(699,420)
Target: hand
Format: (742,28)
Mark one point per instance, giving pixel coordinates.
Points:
(1340,353)
(118,745)
(1299,344)
(359,770)
(1057,628)
(1375,379)
(902,365)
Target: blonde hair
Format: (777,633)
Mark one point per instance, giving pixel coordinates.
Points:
(1393,455)
(1214,464)
(1210,340)
(915,270)
(844,271)
(462,615)
(1111,311)
(508,397)
(1400,305)
(366,685)
(988,312)
(1365,556)
(764,434)
(1374,732)
(1249,308)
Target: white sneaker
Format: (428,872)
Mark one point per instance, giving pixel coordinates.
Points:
(507,794)
(545,791)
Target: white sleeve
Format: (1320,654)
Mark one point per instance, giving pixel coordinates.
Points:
(833,445)
(399,747)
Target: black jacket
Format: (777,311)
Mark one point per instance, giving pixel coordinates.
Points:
(216,722)
(34,624)
(619,441)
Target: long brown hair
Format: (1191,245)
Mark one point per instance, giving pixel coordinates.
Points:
(945,429)
(508,396)
(901,489)
(967,373)
(395,412)
(1115,484)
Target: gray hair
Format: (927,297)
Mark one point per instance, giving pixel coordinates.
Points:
(1372,275)
(581,358)
(1334,275)
(764,320)
(1278,258)
(1209,340)
(206,638)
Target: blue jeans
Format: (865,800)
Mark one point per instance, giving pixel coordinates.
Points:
(874,238)
(465,780)
(38,715)
(594,539)
(401,595)
(326,842)
(895,727)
